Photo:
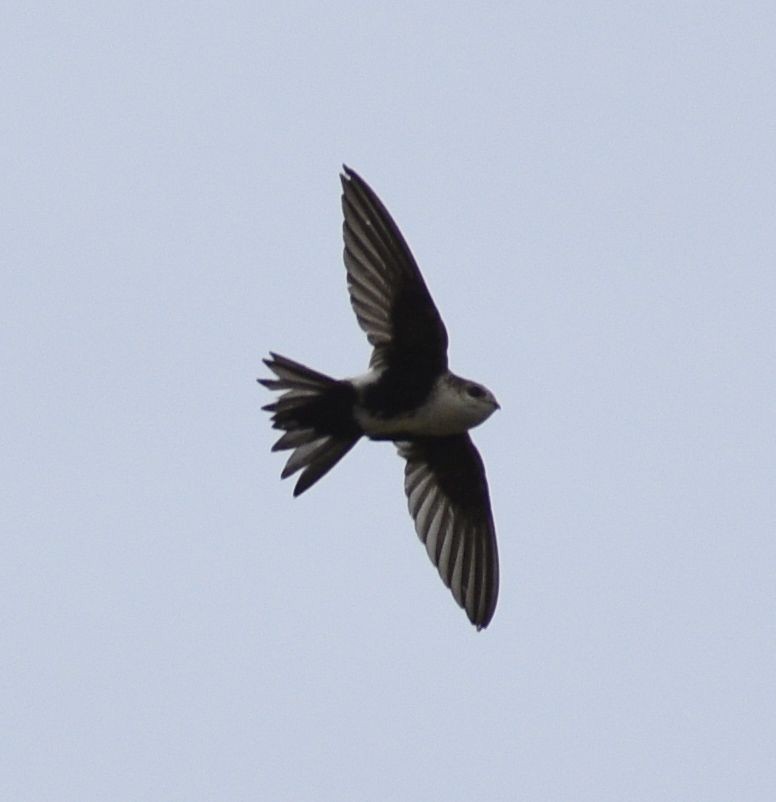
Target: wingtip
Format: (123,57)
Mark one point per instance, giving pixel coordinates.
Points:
(349,176)
(484,620)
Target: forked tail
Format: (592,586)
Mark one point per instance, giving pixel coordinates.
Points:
(315,412)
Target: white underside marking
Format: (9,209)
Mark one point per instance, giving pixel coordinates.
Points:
(444,412)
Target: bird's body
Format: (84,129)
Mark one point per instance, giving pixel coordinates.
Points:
(408,396)
(446,409)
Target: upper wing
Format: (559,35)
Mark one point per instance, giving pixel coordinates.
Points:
(448,498)
(388,294)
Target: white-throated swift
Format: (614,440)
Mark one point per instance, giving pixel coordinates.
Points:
(408,396)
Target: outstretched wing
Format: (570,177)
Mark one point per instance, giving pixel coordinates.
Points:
(388,294)
(448,498)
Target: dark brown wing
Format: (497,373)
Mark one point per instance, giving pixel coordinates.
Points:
(448,498)
(388,294)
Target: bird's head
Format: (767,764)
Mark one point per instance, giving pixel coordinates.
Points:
(477,401)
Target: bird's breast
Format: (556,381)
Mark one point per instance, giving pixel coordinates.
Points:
(443,412)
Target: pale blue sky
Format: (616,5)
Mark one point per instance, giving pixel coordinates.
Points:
(590,190)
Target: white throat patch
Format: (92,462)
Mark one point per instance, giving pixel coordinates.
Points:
(447,410)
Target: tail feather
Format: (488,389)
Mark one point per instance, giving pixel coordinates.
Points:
(294,439)
(315,412)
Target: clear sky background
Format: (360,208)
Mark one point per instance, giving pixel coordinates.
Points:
(590,190)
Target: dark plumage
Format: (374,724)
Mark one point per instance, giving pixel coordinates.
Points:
(409,396)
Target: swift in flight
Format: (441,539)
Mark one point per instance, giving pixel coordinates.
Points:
(408,396)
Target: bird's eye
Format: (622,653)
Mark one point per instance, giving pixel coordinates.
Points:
(475,392)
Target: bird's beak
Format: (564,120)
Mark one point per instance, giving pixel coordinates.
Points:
(498,406)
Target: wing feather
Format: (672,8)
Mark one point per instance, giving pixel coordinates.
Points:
(447,495)
(387,291)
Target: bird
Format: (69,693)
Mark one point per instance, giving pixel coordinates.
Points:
(408,396)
